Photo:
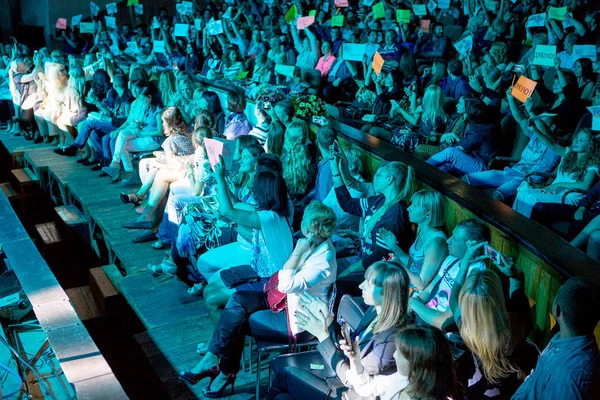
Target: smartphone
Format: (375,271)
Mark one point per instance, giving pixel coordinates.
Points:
(492,253)
(413,86)
(395,103)
(175,66)
(346,333)
(267,105)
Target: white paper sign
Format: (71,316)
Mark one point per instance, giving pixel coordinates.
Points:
(544,55)
(443,4)
(86,27)
(139,9)
(368,3)
(188,7)
(132,46)
(158,46)
(180,9)
(227,14)
(215,27)
(431,6)
(111,22)
(76,20)
(111,8)
(95,9)
(353,52)
(198,24)
(536,20)
(115,50)
(464,46)
(584,51)
(182,30)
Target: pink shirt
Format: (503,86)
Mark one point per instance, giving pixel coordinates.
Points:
(324,66)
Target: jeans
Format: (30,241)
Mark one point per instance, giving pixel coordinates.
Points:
(102,128)
(236,322)
(505,182)
(452,160)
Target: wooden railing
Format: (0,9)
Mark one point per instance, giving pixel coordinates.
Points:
(546,259)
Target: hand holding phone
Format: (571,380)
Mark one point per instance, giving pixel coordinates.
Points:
(492,253)
(346,333)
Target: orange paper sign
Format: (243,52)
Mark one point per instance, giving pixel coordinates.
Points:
(523,89)
(377,63)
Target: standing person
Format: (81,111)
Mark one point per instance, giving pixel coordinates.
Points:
(569,367)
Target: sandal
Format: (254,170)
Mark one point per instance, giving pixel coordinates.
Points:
(197,289)
(131,199)
(156,270)
(202,349)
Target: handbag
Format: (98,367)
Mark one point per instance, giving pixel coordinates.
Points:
(236,276)
(277,300)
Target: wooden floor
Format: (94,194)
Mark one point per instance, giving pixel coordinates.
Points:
(175,321)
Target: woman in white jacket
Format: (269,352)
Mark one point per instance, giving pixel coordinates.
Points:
(424,368)
(310,269)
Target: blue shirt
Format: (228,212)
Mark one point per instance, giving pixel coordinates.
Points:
(567,369)
(324,181)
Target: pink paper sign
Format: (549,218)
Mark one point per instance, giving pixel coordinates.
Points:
(341,3)
(304,22)
(61,23)
(214,149)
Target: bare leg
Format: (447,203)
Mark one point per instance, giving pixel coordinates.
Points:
(207,361)
(160,187)
(149,182)
(581,239)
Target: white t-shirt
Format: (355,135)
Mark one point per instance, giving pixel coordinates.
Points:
(448,271)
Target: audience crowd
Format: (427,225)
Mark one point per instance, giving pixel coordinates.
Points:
(275,225)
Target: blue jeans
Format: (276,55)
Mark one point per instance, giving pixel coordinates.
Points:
(99,133)
(452,160)
(505,182)
(92,125)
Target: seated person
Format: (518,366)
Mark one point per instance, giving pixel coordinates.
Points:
(114,110)
(309,270)
(432,305)
(536,157)
(471,153)
(393,184)
(385,291)
(141,132)
(266,244)
(236,123)
(455,85)
(570,364)
(299,165)
(160,172)
(578,169)
(432,45)
(424,368)
(492,331)
(429,249)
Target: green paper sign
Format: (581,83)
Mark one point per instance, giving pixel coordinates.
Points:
(291,14)
(337,20)
(403,16)
(312,13)
(378,11)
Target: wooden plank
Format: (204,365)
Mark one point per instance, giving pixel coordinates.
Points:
(48,233)
(70,215)
(84,303)
(9,191)
(102,288)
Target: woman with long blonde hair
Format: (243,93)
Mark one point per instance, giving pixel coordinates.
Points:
(393,184)
(494,330)
(299,170)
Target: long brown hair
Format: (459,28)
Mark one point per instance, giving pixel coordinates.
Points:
(394,281)
(431,373)
(577,166)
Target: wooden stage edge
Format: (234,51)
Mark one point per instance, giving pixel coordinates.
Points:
(175,321)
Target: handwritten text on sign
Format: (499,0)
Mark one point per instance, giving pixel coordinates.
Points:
(544,55)
(523,89)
